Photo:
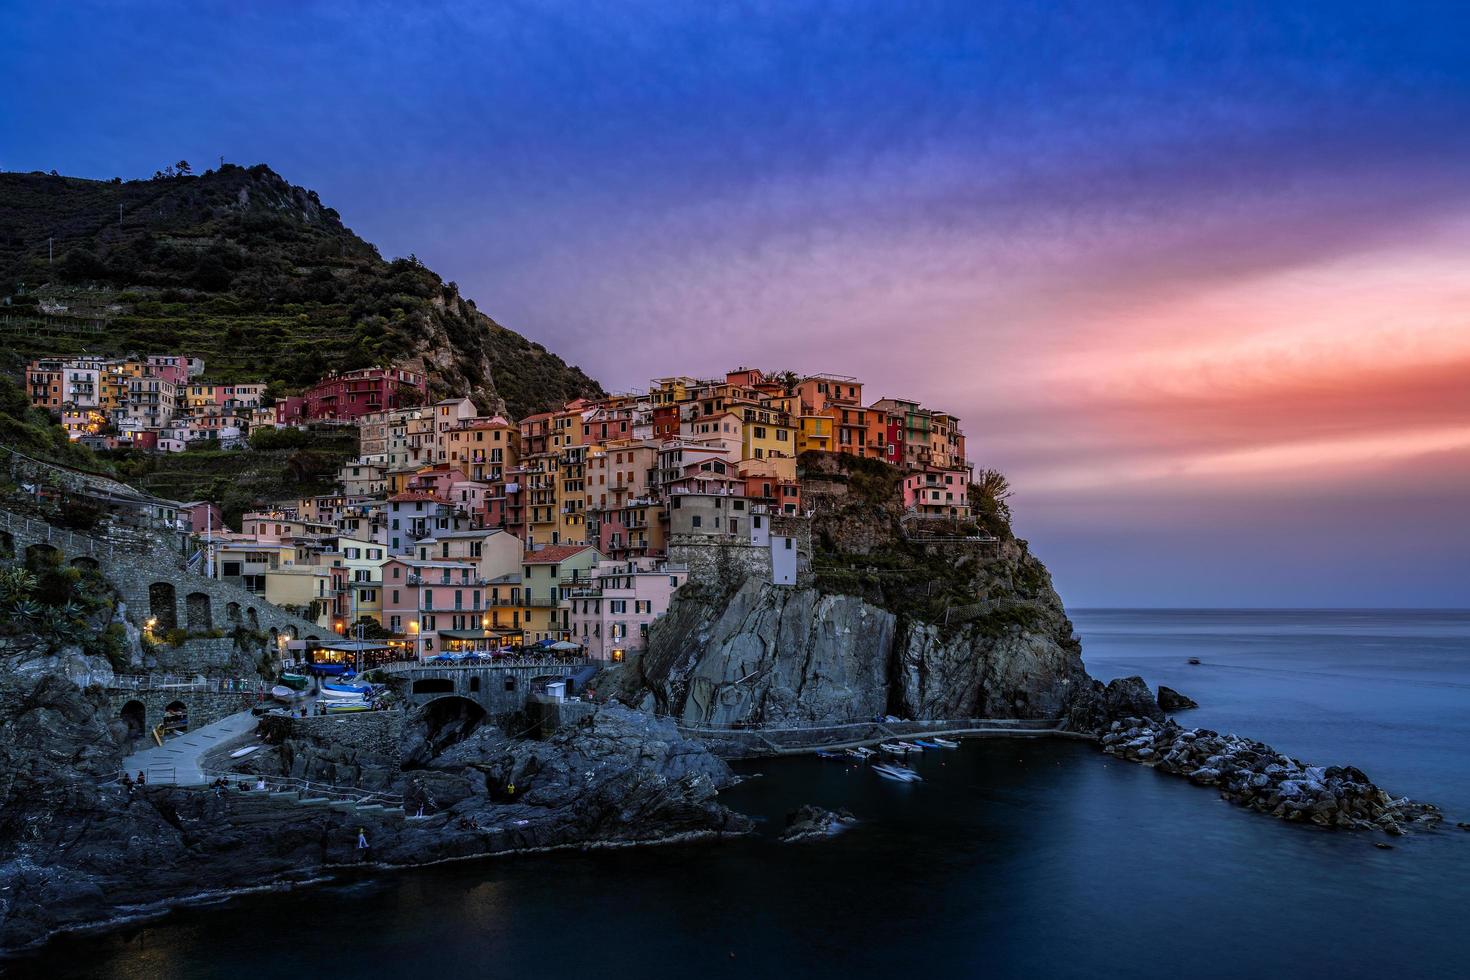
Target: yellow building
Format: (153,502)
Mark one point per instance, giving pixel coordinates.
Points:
(815,433)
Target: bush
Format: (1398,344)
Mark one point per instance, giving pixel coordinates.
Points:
(176,636)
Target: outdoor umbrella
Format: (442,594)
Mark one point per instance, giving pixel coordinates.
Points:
(563,645)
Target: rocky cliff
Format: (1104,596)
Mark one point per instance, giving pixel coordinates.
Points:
(963,624)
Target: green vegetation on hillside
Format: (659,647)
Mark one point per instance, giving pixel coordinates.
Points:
(252,274)
(272,469)
(33,432)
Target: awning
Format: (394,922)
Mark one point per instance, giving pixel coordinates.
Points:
(487,634)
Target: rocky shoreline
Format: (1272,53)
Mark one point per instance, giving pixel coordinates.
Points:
(1254,775)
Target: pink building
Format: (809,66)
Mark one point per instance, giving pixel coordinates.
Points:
(204,515)
(611,615)
(436,605)
(940,492)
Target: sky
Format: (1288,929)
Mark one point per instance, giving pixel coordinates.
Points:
(1193,275)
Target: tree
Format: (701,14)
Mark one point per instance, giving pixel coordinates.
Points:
(988,496)
(183,168)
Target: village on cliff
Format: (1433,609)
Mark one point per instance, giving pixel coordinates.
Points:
(457,534)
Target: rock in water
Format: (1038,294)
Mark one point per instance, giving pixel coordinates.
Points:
(811,822)
(1172,700)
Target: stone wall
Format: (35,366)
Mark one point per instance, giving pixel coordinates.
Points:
(373,732)
(204,707)
(726,565)
(154,584)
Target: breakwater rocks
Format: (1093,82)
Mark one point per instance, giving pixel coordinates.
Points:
(1254,775)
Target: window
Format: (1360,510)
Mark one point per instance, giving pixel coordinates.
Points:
(698,521)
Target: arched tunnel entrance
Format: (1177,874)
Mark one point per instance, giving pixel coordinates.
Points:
(441,723)
(135,716)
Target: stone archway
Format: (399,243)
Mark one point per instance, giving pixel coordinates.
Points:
(163,605)
(7,544)
(447,720)
(232,612)
(135,716)
(252,618)
(176,717)
(41,557)
(85,564)
(198,614)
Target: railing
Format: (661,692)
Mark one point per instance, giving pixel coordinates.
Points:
(406,666)
(170,682)
(304,788)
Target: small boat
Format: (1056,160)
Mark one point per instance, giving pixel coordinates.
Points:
(297,682)
(921,743)
(344,707)
(238,753)
(861,752)
(283,693)
(1194,661)
(893,747)
(331,670)
(898,773)
(945,743)
(824,754)
(339,691)
(913,746)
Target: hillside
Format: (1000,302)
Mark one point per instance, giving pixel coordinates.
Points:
(253,274)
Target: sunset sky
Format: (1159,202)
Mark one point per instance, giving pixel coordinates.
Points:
(1196,276)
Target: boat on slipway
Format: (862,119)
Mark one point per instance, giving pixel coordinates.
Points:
(341,692)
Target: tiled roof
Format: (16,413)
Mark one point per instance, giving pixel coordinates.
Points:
(552,554)
(408,495)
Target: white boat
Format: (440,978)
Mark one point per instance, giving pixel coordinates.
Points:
(897,773)
(893,747)
(238,753)
(342,692)
(861,752)
(945,743)
(283,693)
(912,747)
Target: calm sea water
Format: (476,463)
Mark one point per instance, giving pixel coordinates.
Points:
(1034,859)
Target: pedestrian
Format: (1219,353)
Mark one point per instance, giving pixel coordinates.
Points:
(362,844)
(142,779)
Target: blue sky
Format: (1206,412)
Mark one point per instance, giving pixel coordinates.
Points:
(1186,270)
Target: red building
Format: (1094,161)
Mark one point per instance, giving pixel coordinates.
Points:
(666,422)
(357,393)
(290,410)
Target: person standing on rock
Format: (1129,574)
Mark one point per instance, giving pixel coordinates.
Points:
(362,844)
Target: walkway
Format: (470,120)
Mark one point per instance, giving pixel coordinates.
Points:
(177,761)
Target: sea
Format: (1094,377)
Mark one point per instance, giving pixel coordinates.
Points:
(1012,858)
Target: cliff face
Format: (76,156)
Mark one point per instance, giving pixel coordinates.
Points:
(780,656)
(954,622)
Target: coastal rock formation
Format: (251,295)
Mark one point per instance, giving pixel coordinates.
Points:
(773,656)
(1171,700)
(1254,775)
(813,823)
(77,848)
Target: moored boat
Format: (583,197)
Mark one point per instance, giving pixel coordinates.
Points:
(894,747)
(283,693)
(945,743)
(297,682)
(897,773)
(861,752)
(923,744)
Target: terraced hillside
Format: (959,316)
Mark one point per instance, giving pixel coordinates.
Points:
(253,274)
